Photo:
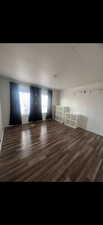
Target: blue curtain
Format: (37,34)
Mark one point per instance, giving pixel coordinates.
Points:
(15,114)
(35,104)
(49,109)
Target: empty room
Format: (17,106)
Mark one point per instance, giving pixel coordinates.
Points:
(51,112)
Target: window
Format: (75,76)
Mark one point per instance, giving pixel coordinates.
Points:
(24,102)
(44,98)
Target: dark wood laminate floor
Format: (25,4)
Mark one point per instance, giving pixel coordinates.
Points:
(51,151)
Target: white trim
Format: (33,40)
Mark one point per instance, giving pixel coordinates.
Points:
(1,142)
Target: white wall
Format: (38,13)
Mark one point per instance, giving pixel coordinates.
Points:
(89,104)
(56,97)
(56,100)
(5,101)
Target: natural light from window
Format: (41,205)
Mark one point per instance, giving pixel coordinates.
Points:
(44,103)
(24,102)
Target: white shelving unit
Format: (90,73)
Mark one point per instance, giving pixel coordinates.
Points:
(60,113)
(63,115)
(71,120)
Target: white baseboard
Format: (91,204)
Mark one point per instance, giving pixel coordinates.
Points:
(2,136)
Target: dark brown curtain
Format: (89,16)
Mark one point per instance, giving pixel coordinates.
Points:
(35,104)
(15,114)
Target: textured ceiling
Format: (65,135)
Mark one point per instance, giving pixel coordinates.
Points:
(53,65)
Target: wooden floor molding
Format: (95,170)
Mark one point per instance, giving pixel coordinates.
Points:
(50,151)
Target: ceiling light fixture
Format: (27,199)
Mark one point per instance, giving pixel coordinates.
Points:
(55,75)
